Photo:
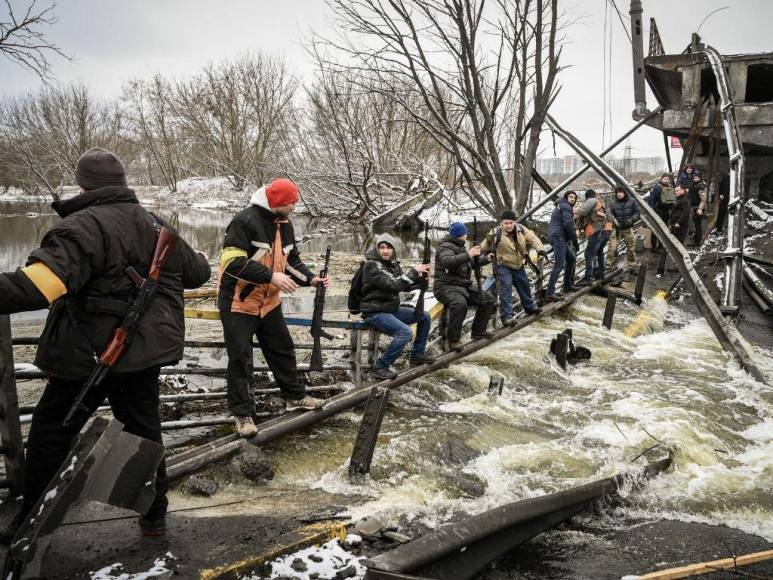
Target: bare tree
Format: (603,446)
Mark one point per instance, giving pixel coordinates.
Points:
(234,114)
(22,41)
(155,126)
(469,61)
(47,132)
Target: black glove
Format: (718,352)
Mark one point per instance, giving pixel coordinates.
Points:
(543,254)
(576,245)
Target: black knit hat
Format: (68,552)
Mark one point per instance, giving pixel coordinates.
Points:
(589,193)
(621,188)
(99,168)
(508,214)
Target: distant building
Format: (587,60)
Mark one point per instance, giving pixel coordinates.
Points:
(571,163)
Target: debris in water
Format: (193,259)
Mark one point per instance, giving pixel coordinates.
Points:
(329,561)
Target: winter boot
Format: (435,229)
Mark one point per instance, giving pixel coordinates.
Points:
(245,426)
(306,403)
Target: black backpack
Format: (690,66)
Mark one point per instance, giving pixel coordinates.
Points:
(355,290)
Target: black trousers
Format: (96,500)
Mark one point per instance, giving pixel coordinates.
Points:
(456,302)
(277,347)
(664,211)
(134,399)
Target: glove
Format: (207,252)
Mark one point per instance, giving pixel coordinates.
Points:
(543,254)
(576,245)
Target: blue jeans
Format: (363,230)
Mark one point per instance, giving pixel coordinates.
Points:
(397,326)
(562,255)
(594,253)
(507,278)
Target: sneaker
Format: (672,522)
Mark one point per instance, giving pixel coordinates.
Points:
(584,282)
(306,403)
(8,533)
(486,334)
(537,310)
(508,321)
(157,527)
(421,359)
(384,374)
(455,346)
(245,426)
(552,298)
(569,289)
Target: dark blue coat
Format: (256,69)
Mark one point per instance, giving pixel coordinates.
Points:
(625,211)
(562,222)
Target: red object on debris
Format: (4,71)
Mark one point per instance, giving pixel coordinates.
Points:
(676,143)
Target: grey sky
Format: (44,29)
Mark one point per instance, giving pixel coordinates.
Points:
(114,40)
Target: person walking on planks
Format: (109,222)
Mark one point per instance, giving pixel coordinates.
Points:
(380,285)
(625,213)
(453,286)
(511,242)
(79,273)
(592,218)
(259,261)
(562,234)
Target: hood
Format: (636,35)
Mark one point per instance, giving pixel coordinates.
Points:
(625,197)
(260,199)
(373,254)
(108,195)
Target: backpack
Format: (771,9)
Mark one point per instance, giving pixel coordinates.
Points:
(667,195)
(355,290)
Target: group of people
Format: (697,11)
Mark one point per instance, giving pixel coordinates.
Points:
(682,204)
(79,274)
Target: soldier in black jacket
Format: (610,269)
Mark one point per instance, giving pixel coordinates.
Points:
(453,286)
(79,272)
(382,281)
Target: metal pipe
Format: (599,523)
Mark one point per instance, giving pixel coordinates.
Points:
(189,424)
(727,334)
(201,372)
(637,49)
(757,299)
(180,465)
(565,183)
(33,340)
(758,285)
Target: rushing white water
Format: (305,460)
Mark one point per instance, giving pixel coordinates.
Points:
(551,430)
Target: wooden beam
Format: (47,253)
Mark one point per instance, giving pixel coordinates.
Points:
(708,567)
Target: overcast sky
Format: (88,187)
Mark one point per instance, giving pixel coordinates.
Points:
(114,40)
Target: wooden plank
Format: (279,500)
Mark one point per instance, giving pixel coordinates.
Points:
(708,567)
(10,425)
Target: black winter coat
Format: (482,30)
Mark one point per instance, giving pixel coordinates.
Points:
(382,283)
(680,213)
(102,232)
(453,266)
(625,211)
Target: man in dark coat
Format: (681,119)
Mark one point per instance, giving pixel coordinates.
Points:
(382,281)
(697,194)
(563,239)
(259,261)
(625,213)
(679,220)
(79,271)
(453,286)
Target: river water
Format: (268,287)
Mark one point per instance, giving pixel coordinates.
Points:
(550,429)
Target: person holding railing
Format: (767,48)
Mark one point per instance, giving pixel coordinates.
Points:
(562,234)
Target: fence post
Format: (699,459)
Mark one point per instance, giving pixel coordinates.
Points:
(609,311)
(640,279)
(356,362)
(373,336)
(10,426)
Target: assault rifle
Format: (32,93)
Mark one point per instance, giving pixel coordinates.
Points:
(419,309)
(124,334)
(317,332)
(476,259)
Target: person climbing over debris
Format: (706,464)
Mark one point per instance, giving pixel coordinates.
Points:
(679,220)
(79,273)
(382,281)
(453,286)
(562,234)
(593,220)
(259,261)
(696,192)
(624,214)
(511,242)
(662,199)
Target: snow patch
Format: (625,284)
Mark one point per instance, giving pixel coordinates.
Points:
(324,561)
(160,569)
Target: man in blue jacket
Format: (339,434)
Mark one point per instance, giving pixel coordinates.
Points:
(562,235)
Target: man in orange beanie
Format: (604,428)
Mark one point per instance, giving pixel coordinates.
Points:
(259,261)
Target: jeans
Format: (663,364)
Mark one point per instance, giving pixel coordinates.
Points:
(397,326)
(507,278)
(562,255)
(594,253)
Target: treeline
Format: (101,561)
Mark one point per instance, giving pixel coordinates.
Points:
(353,151)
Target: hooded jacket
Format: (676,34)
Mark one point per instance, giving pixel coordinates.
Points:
(382,280)
(511,248)
(562,221)
(592,217)
(257,244)
(624,211)
(80,269)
